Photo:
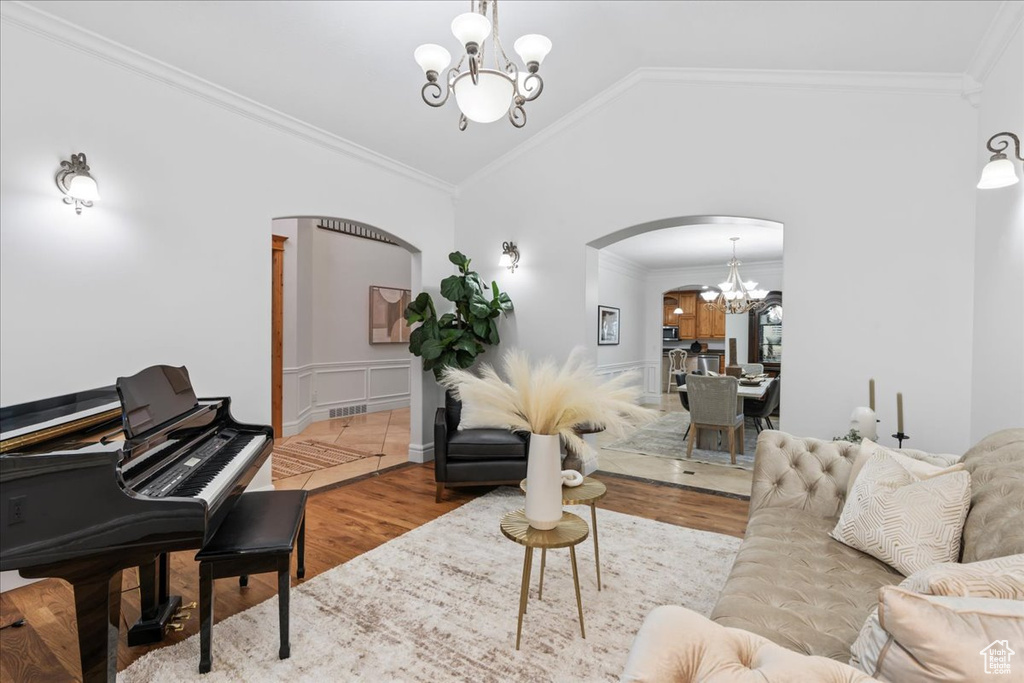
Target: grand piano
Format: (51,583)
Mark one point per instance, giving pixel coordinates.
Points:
(99,481)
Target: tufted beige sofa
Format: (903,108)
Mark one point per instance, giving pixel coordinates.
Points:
(793,586)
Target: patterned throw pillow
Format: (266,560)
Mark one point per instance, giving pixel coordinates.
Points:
(920,464)
(906,522)
(1000,578)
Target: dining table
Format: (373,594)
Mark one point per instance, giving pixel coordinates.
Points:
(709,439)
(748,391)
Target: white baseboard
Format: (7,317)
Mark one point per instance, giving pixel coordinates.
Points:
(12,579)
(296,427)
(421,452)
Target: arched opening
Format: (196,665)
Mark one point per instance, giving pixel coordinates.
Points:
(341,374)
(654,274)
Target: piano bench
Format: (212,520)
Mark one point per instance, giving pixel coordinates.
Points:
(257,536)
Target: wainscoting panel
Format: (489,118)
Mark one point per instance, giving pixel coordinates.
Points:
(311,391)
(340,385)
(648,376)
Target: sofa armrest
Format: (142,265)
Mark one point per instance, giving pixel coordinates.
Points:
(675,645)
(440,446)
(801,474)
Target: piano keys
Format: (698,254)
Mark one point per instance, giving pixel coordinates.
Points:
(117,477)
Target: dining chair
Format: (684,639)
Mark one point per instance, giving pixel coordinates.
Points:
(752,368)
(676,364)
(684,398)
(763,409)
(715,404)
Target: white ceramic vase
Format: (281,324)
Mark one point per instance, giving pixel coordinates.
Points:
(544,481)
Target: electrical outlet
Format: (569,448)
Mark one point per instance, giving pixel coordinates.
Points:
(15,510)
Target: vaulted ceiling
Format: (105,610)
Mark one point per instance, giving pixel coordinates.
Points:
(347,67)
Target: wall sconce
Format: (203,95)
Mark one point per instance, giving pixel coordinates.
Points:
(509,256)
(1000,171)
(74,181)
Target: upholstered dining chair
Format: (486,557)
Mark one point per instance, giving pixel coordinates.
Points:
(684,398)
(752,368)
(715,404)
(676,364)
(763,409)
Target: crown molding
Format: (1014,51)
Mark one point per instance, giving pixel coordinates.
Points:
(620,264)
(939,84)
(711,269)
(1004,25)
(71,35)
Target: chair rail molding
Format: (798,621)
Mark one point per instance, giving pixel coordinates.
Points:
(312,390)
(54,28)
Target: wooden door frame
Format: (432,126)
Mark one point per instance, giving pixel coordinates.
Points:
(277,332)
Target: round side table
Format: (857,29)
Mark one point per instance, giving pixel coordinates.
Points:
(569,532)
(587,493)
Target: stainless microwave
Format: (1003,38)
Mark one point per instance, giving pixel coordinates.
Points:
(670,333)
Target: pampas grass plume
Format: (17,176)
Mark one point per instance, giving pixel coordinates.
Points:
(545,398)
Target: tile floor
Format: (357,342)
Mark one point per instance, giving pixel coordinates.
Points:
(689,473)
(384,432)
(388,433)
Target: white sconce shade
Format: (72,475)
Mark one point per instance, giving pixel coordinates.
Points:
(758,294)
(709,295)
(486,101)
(749,284)
(678,311)
(432,57)
(509,256)
(505,261)
(998,173)
(725,286)
(471,28)
(84,188)
(533,47)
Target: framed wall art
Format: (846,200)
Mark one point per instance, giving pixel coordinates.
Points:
(387,315)
(607,325)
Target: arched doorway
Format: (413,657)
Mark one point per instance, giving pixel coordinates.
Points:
(339,352)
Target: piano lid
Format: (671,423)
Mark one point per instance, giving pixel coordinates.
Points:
(31,423)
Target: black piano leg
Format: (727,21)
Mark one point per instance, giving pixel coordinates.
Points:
(284,582)
(98,613)
(158,607)
(205,617)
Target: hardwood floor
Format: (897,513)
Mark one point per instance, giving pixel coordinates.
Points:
(342,523)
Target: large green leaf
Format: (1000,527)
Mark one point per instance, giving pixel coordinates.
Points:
(481,328)
(416,341)
(431,349)
(492,336)
(420,308)
(478,307)
(453,288)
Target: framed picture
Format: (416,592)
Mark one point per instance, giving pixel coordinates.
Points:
(607,325)
(387,315)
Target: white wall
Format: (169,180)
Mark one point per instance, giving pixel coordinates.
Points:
(328,359)
(863,236)
(998,367)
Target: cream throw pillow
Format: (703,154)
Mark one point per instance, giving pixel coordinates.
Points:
(1001,578)
(937,638)
(907,522)
(919,463)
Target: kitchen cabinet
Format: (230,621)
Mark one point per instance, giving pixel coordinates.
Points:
(687,327)
(669,304)
(688,302)
(718,324)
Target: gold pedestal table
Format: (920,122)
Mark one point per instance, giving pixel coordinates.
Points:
(587,493)
(569,532)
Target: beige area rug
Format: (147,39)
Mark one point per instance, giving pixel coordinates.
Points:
(307,456)
(664,437)
(439,603)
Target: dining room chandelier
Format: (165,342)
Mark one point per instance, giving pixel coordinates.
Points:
(734,295)
(484,93)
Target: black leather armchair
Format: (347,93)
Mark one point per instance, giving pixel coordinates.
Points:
(475,457)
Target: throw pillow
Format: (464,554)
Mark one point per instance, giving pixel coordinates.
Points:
(938,638)
(1001,578)
(919,463)
(906,522)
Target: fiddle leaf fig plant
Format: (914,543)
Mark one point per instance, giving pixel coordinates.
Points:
(454,340)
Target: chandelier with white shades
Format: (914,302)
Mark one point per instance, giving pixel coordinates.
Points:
(484,93)
(736,296)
